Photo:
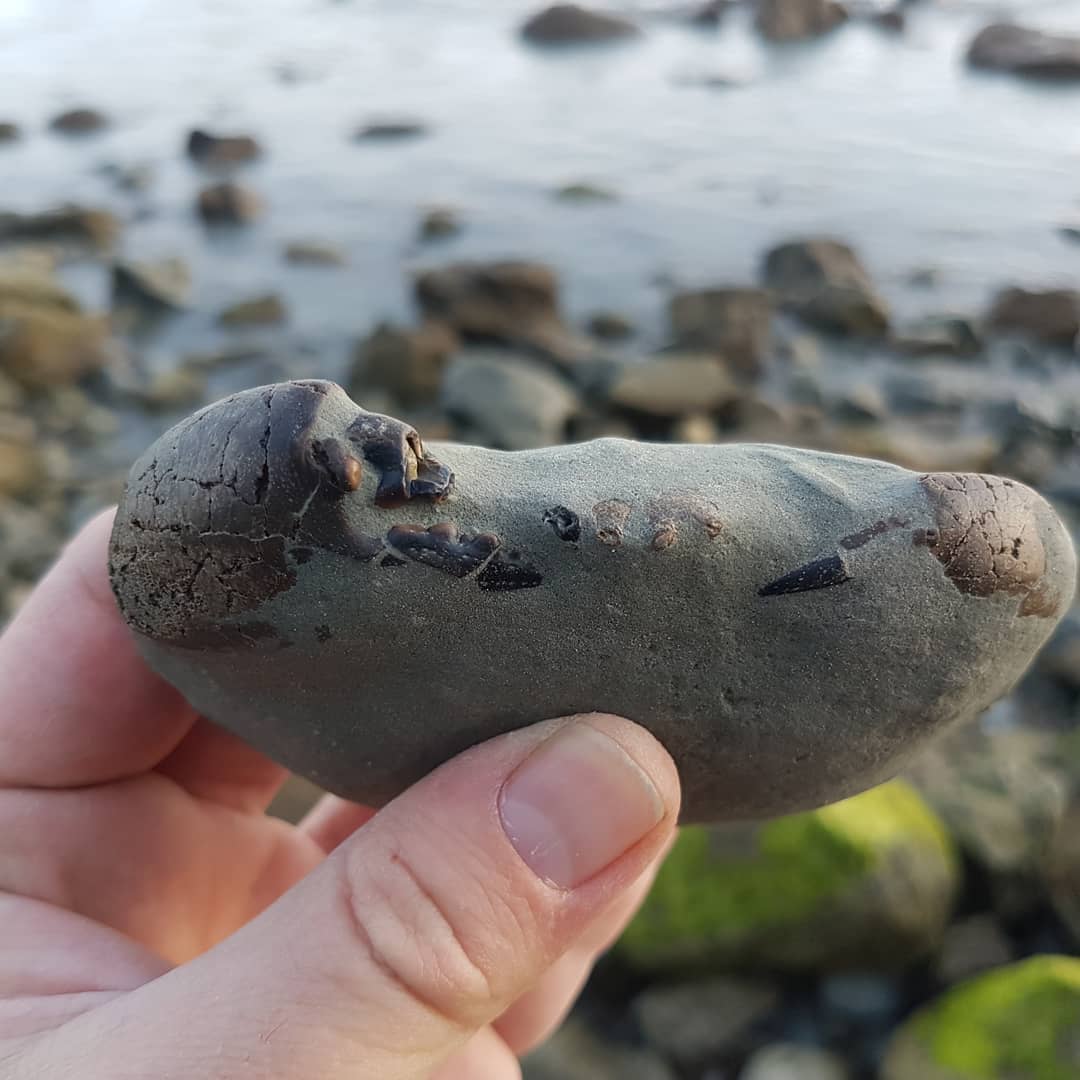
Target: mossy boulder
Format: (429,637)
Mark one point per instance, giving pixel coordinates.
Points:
(1020,1022)
(867,882)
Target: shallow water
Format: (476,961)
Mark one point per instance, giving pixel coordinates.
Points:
(887,140)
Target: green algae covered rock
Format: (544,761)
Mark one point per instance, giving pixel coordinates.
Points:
(1020,1022)
(867,882)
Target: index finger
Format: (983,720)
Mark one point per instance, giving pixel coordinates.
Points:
(78,705)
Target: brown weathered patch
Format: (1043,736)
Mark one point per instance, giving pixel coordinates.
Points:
(871,532)
(987,539)
(564,523)
(819,574)
(611,517)
(442,548)
(674,508)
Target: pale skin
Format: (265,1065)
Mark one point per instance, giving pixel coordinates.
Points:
(154,922)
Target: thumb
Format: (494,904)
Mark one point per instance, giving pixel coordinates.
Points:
(426,924)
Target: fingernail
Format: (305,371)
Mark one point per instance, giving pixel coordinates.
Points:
(575,804)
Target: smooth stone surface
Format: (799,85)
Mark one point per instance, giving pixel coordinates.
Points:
(792,625)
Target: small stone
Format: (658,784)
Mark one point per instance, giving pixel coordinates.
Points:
(569,24)
(1050,316)
(971,946)
(228,204)
(861,999)
(314,253)
(130,178)
(164,285)
(407,362)
(710,13)
(736,323)
(575,1052)
(863,403)
(178,388)
(696,428)
(42,347)
(439,223)
(79,122)
(893,19)
(611,326)
(673,386)
(268,310)
(796,20)
(390,129)
(924,277)
(78,225)
(508,302)
(691,1023)
(1017,1021)
(222,150)
(791,1061)
(824,283)
(1006,47)
(583,192)
(939,335)
(507,402)
(9,132)
(21,465)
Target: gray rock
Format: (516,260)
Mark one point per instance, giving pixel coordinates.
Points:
(9,132)
(79,122)
(69,224)
(266,310)
(219,151)
(507,402)
(439,223)
(507,302)
(823,282)
(1002,801)
(569,24)
(163,285)
(790,1061)
(611,326)
(938,335)
(504,588)
(860,998)
(973,945)
(1006,47)
(691,1023)
(796,20)
(314,253)
(390,129)
(228,204)
(581,191)
(576,1053)
(1051,316)
(407,362)
(734,322)
(672,386)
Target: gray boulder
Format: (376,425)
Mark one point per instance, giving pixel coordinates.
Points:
(824,283)
(1007,47)
(507,402)
(796,20)
(569,24)
(733,322)
(1049,316)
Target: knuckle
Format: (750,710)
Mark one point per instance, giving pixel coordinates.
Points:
(440,943)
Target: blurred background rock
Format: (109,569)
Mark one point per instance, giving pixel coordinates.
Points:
(844,225)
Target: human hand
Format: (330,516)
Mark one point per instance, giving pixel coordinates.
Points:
(156,925)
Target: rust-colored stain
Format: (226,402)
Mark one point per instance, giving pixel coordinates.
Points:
(986,537)
(871,532)
(611,518)
(672,509)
